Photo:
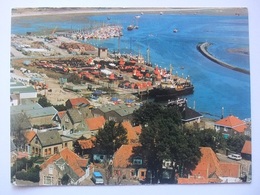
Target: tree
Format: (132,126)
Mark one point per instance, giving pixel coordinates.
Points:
(163,138)
(65,179)
(44,102)
(111,137)
(74,78)
(211,138)
(236,143)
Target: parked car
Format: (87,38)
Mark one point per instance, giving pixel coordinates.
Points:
(234,156)
(97,178)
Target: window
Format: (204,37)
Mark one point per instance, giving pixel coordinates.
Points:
(137,161)
(56,150)
(45,152)
(142,173)
(48,180)
(50,169)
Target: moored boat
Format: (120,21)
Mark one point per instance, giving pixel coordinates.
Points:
(169,90)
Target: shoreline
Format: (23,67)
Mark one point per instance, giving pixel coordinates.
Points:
(25,12)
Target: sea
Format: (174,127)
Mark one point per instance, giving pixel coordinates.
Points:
(218,90)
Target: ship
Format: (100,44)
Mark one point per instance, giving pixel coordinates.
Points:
(171,90)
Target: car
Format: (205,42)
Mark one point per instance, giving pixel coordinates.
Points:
(234,156)
(97,178)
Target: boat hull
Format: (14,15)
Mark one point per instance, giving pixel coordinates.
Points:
(165,94)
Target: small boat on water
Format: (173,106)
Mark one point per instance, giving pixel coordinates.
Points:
(130,27)
(175,30)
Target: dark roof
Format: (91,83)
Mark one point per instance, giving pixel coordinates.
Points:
(189,114)
(49,138)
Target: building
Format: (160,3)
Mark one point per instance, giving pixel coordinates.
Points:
(128,163)
(246,151)
(117,113)
(77,103)
(230,126)
(211,170)
(43,144)
(94,124)
(102,53)
(133,133)
(189,117)
(64,163)
(21,94)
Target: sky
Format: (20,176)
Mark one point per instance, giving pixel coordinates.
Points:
(254,32)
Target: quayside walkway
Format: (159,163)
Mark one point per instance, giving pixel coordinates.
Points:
(202,47)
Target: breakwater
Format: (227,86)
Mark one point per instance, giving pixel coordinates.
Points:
(202,47)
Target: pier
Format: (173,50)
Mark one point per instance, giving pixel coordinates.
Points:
(203,50)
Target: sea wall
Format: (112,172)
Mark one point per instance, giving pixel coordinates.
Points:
(202,48)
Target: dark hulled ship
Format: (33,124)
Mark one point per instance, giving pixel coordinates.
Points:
(170,90)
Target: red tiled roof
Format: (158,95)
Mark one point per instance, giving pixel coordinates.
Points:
(78,101)
(230,169)
(232,122)
(132,132)
(123,155)
(61,114)
(73,160)
(247,148)
(86,144)
(29,135)
(208,164)
(193,180)
(95,123)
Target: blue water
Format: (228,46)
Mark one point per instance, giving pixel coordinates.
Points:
(215,86)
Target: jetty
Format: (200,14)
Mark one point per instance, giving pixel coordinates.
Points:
(202,47)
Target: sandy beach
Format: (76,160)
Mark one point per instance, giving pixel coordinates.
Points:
(23,12)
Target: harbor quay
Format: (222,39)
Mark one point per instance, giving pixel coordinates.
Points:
(62,55)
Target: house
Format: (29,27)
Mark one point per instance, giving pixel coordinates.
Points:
(23,92)
(133,133)
(62,120)
(94,124)
(76,117)
(84,146)
(77,103)
(189,117)
(246,151)
(211,170)
(44,144)
(128,163)
(65,162)
(117,113)
(42,116)
(230,126)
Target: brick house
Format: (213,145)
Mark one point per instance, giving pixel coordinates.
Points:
(64,162)
(43,143)
(128,163)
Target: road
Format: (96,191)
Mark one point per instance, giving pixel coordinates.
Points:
(245,164)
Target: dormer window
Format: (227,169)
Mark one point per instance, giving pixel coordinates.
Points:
(137,161)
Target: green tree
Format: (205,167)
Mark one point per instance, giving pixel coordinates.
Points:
(111,137)
(163,138)
(65,179)
(43,101)
(211,138)
(236,143)
(74,78)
